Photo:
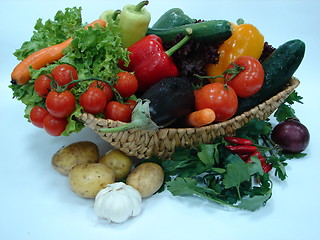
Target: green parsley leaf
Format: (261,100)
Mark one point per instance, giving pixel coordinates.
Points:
(209,154)
(189,186)
(255,202)
(254,166)
(279,164)
(236,172)
(285,110)
(253,129)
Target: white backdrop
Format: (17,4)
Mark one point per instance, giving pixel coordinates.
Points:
(36,202)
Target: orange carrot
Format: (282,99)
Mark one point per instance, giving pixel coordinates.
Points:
(201,117)
(39,59)
(101,22)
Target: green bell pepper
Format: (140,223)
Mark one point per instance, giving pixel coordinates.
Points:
(172,18)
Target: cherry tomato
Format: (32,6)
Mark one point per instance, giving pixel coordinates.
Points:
(104,87)
(37,115)
(249,81)
(64,73)
(93,100)
(60,105)
(54,126)
(118,111)
(220,98)
(127,84)
(42,85)
(131,103)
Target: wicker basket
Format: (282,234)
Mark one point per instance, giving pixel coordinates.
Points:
(144,144)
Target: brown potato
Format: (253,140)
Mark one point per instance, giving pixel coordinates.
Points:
(119,162)
(147,178)
(86,180)
(76,153)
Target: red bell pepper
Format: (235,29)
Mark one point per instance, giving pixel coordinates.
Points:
(150,62)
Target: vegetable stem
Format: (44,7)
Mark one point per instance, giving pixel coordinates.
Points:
(176,47)
(141,120)
(140,5)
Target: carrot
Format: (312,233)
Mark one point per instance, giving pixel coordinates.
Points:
(39,59)
(201,117)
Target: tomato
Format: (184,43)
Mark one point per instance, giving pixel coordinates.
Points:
(118,111)
(249,81)
(93,100)
(220,98)
(54,126)
(37,115)
(127,84)
(65,73)
(131,103)
(60,105)
(42,85)
(105,88)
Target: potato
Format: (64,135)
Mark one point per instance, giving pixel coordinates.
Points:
(86,180)
(147,178)
(76,153)
(119,162)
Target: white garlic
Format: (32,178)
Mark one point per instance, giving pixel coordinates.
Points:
(117,202)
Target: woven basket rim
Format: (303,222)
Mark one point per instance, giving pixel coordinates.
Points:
(146,143)
(293,83)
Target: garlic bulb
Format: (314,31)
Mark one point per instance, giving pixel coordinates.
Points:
(117,202)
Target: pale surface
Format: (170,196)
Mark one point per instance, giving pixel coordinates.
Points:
(36,202)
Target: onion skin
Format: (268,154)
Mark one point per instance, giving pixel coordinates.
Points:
(291,135)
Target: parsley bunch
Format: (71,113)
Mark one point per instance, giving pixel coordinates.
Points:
(213,172)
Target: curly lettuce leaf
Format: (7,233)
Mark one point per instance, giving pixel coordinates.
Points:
(51,32)
(96,51)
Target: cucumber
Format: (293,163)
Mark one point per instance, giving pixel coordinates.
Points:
(210,31)
(279,67)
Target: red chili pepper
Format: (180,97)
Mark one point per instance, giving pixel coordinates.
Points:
(259,156)
(240,149)
(244,156)
(266,167)
(150,62)
(239,141)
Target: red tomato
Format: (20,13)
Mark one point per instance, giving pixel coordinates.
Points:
(65,73)
(60,105)
(37,115)
(118,111)
(42,85)
(131,103)
(104,87)
(220,98)
(93,100)
(54,126)
(127,84)
(249,81)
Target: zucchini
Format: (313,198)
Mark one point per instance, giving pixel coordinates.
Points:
(210,31)
(279,67)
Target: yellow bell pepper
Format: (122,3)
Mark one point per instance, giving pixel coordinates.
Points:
(246,40)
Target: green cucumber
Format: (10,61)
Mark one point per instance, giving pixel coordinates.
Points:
(210,31)
(279,67)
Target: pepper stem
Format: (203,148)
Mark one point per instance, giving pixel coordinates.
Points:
(115,14)
(184,40)
(140,5)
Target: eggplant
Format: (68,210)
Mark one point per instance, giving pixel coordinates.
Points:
(170,99)
(162,104)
